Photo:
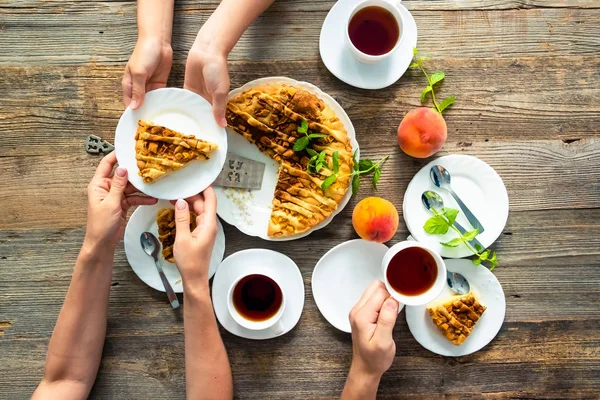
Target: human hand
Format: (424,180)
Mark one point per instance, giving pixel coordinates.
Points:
(109,198)
(147,69)
(206,74)
(372,320)
(193,250)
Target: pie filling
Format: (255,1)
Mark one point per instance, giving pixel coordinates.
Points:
(269,117)
(165,218)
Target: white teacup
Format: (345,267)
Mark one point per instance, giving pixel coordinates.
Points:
(391,6)
(432,292)
(273,323)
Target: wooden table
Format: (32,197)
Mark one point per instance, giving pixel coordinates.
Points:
(525,73)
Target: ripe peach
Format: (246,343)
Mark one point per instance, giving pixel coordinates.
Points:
(422,132)
(375,219)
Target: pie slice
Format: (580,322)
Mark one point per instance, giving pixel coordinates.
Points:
(269,117)
(160,150)
(165,218)
(456,317)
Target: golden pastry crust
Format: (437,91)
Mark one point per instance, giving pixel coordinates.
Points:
(269,117)
(165,218)
(457,316)
(160,150)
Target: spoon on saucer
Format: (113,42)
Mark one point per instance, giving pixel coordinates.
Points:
(151,247)
(441,178)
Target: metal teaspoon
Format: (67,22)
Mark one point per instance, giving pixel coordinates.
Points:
(151,247)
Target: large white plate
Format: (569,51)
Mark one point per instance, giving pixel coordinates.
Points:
(284,269)
(143,220)
(489,291)
(339,60)
(185,112)
(341,277)
(479,187)
(250,211)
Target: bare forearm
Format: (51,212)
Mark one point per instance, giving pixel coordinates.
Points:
(75,348)
(207,370)
(155,19)
(360,386)
(229,21)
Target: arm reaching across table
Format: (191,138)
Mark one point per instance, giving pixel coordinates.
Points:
(76,345)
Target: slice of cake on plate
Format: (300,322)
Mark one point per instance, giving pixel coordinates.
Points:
(456,317)
(160,150)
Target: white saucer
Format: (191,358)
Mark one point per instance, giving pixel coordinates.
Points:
(490,294)
(185,112)
(250,210)
(479,187)
(288,274)
(342,275)
(143,220)
(340,62)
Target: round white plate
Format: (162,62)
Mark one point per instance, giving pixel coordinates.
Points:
(341,277)
(143,220)
(284,269)
(250,211)
(341,63)
(185,112)
(490,294)
(479,187)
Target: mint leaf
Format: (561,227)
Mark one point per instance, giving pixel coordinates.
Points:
(476,261)
(364,165)
(493,258)
(424,94)
(447,102)
(311,152)
(301,143)
(336,162)
(322,156)
(471,235)
(355,184)
(415,51)
(376,176)
(450,214)
(315,136)
(437,77)
(415,65)
(328,181)
(478,247)
(453,243)
(356,163)
(318,166)
(484,255)
(303,128)
(436,225)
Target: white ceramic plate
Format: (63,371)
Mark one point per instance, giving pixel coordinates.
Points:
(287,274)
(490,294)
(341,277)
(143,220)
(339,60)
(185,112)
(479,187)
(250,211)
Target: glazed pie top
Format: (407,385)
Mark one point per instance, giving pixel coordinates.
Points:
(456,317)
(160,150)
(165,218)
(269,116)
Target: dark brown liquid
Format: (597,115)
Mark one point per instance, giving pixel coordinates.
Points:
(257,297)
(374,30)
(412,271)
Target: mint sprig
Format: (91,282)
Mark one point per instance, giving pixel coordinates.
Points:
(303,142)
(432,80)
(443,220)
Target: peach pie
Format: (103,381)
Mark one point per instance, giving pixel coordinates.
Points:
(274,117)
(160,150)
(165,218)
(456,317)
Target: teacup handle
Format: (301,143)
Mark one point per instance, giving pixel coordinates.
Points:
(277,328)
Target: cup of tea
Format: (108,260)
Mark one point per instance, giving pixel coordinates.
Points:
(374,30)
(413,273)
(256,301)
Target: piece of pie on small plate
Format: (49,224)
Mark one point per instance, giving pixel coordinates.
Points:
(456,317)
(270,116)
(160,150)
(165,218)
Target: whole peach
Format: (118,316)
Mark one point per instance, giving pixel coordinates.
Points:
(422,132)
(375,219)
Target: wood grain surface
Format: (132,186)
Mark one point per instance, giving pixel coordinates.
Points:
(525,74)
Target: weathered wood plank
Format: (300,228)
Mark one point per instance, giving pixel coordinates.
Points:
(46,109)
(109,34)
